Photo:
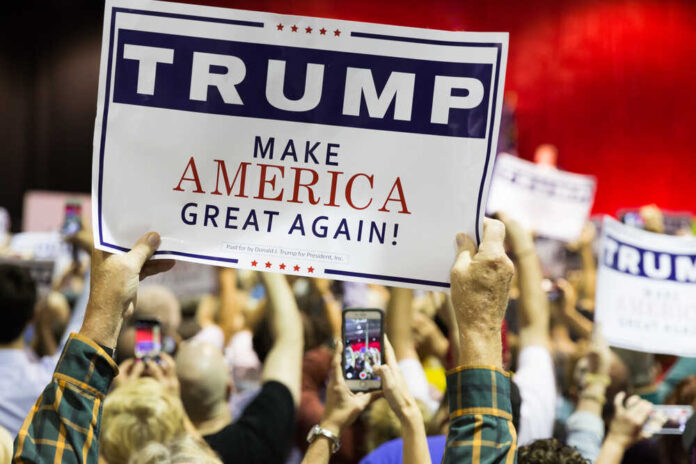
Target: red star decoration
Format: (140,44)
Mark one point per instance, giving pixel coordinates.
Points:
(282,266)
(296,268)
(322,31)
(293,28)
(308,30)
(254,263)
(310,269)
(279,27)
(268,264)
(337,32)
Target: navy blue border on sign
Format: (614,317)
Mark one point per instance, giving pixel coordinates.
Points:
(107,95)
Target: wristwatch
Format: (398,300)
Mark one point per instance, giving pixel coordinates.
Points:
(318,430)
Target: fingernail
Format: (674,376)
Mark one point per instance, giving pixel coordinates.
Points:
(154,239)
(460,240)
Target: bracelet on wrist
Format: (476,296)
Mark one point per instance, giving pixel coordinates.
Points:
(601,399)
(601,379)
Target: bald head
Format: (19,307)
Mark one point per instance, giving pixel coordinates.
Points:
(158,302)
(204,380)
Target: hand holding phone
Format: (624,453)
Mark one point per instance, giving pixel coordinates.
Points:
(668,419)
(363,342)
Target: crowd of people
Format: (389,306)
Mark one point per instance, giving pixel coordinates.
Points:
(506,367)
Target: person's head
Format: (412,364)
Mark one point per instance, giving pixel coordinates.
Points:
(135,414)
(546,155)
(204,380)
(52,312)
(154,302)
(185,450)
(17,300)
(549,451)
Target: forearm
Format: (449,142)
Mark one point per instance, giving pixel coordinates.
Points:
(414,439)
(230,317)
(70,403)
(399,319)
(580,324)
(533,312)
(612,452)
(284,360)
(319,452)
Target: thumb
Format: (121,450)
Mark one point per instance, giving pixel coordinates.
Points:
(466,249)
(144,249)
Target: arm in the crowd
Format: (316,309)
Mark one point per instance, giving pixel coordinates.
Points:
(533,306)
(447,314)
(231,318)
(404,405)
(341,410)
(625,428)
(64,424)
(581,325)
(67,416)
(332,307)
(398,323)
(589,265)
(481,427)
(284,361)
(585,427)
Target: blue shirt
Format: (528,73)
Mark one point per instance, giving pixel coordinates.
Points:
(391,452)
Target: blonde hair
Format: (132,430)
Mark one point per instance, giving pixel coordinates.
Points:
(136,414)
(383,425)
(186,450)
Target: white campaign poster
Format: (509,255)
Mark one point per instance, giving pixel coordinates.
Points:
(292,144)
(646,290)
(550,202)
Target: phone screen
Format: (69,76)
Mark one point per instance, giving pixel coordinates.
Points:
(667,419)
(362,348)
(73,218)
(148,339)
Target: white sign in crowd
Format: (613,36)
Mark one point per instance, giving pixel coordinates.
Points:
(293,144)
(646,290)
(552,203)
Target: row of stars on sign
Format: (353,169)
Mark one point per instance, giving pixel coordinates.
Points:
(281,266)
(308,29)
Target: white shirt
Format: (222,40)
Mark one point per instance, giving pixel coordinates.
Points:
(537,384)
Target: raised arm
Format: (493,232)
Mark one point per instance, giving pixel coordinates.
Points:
(69,409)
(398,323)
(284,361)
(479,390)
(533,306)
(231,317)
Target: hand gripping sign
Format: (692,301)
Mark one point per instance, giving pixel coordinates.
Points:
(646,290)
(291,144)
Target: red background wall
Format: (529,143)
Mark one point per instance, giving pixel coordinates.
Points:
(611,83)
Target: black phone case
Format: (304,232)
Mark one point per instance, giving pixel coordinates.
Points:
(343,339)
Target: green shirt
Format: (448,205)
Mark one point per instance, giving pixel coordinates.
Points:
(481,429)
(63,426)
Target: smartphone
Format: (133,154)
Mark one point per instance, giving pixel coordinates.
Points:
(668,419)
(148,339)
(363,343)
(72,223)
(633,219)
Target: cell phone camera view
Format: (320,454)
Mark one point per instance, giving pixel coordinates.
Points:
(363,348)
(148,339)
(73,219)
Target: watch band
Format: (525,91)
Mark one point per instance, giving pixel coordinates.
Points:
(317,430)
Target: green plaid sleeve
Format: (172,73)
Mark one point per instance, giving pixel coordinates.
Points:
(481,429)
(63,426)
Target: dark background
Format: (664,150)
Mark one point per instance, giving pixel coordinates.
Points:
(610,82)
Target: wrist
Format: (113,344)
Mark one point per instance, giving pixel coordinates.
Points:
(100,328)
(617,441)
(332,426)
(480,347)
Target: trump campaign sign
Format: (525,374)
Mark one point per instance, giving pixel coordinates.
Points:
(552,203)
(646,290)
(307,146)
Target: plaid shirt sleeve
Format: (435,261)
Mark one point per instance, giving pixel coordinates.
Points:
(481,429)
(63,426)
